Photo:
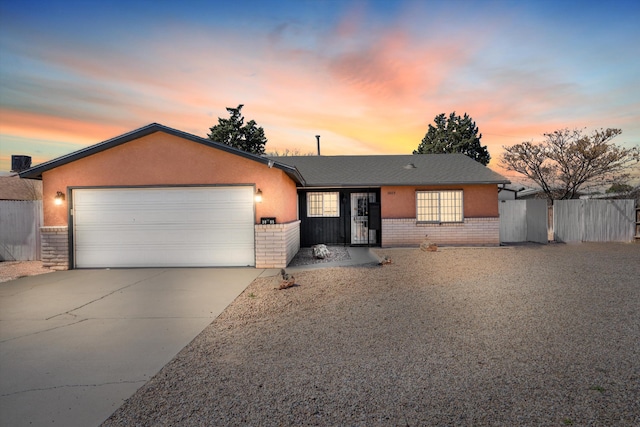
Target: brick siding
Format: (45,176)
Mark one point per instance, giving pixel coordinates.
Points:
(473,231)
(55,247)
(276,244)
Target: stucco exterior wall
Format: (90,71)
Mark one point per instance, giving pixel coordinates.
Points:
(162,159)
(480,201)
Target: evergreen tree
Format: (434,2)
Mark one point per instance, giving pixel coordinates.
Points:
(235,133)
(454,134)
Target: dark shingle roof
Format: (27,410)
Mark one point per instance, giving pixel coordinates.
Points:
(418,169)
(324,171)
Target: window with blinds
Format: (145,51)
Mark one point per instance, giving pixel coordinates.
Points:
(439,206)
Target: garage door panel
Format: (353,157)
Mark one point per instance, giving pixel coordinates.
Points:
(170,234)
(208,226)
(152,256)
(163,213)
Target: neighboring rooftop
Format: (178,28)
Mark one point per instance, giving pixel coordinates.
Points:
(14,188)
(378,170)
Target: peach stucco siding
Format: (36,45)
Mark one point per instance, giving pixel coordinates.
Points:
(162,159)
(480,201)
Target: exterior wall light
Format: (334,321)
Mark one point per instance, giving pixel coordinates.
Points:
(258,196)
(59,198)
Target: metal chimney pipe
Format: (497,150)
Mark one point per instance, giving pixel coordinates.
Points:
(318,139)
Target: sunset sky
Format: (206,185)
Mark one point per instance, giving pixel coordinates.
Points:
(368,76)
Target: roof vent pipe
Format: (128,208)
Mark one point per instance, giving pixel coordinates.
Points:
(318,139)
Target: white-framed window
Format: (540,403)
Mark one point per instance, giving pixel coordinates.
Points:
(323,204)
(439,206)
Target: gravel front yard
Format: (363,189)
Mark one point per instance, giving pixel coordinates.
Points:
(529,335)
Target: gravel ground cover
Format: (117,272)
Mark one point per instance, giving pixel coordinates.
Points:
(529,335)
(10,270)
(305,256)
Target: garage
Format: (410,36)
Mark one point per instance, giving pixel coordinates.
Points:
(160,197)
(198,226)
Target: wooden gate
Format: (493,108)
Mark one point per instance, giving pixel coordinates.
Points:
(523,221)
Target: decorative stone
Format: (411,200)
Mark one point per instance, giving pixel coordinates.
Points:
(386,260)
(320,251)
(428,246)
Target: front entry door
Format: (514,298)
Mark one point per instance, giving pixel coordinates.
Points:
(360,232)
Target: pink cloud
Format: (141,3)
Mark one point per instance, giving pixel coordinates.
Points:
(56,128)
(365,87)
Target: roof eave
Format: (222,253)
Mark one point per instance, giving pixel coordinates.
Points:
(36,171)
(293,173)
(404,184)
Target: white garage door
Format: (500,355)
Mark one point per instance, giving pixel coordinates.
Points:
(163,227)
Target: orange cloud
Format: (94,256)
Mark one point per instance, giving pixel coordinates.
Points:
(365,86)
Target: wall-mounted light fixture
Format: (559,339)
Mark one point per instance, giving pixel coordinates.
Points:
(258,196)
(59,198)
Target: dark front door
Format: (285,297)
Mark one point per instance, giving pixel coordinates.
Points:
(361,233)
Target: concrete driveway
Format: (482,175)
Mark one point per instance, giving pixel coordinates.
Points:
(75,344)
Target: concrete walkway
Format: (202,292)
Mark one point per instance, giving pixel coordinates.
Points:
(75,344)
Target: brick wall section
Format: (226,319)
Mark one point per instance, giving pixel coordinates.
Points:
(474,231)
(55,247)
(276,244)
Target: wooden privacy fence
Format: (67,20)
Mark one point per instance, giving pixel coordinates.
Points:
(523,221)
(20,222)
(594,220)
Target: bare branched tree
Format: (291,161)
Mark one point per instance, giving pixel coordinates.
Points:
(568,161)
(288,153)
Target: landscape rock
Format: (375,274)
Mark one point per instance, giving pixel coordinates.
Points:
(320,251)
(386,260)
(428,246)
